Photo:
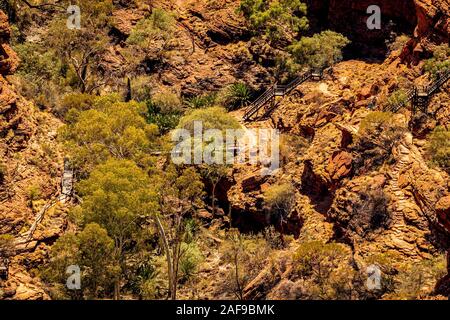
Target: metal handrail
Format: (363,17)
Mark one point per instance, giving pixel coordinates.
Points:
(273,91)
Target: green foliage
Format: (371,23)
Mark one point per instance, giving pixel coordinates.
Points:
(203,101)
(159,25)
(152,38)
(41,74)
(110,129)
(93,251)
(237,95)
(375,121)
(211,118)
(377,135)
(439,147)
(279,20)
(181,191)
(247,255)
(325,269)
(399,42)
(417,280)
(118,196)
(280,199)
(320,50)
(72,104)
(190,260)
(398,97)
(34,192)
(34,63)
(6,245)
(141,89)
(440,61)
(81,49)
(164,110)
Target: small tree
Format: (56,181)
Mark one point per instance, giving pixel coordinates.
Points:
(152,39)
(378,133)
(110,129)
(398,97)
(325,269)
(93,251)
(179,193)
(247,255)
(319,51)
(82,49)
(218,119)
(118,196)
(280,200)
(440,61)
(281,21)
(237,95)
(439,147)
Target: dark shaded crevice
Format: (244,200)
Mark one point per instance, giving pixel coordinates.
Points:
(349,17)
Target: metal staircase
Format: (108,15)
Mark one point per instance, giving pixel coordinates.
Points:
(267,99)
(421,95)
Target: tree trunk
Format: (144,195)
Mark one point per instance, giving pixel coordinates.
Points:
(214,198)
(167,252)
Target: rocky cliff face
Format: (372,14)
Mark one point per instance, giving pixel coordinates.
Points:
(331,188)
(214,52)
(31,163)
(425,20)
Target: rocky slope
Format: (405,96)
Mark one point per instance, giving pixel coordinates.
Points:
(214,51)
(31,161)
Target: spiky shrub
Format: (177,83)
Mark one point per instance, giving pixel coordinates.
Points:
(237,95)
(165,110)
(439,147)
(202,101)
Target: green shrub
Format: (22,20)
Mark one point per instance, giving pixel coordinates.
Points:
(418,280)
(398,97)
(440,60)
(190,260)
(377,135)
(165,122)
(280,199)
(280,20)
(159,25)
(34,192)
(399,42)
(211,118)
(72,104)
(319,51)
(325,269)
(203,101)
(439,147)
